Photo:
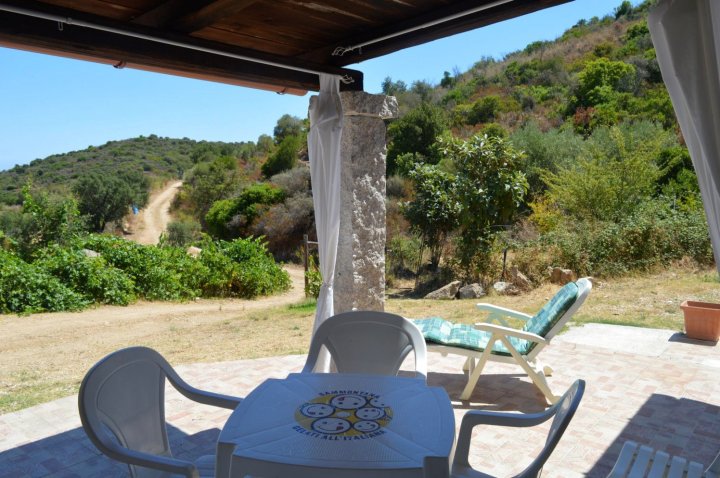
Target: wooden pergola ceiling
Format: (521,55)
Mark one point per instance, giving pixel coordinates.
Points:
(219,40)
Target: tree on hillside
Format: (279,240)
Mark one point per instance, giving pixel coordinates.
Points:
(490,188)
(209,182)
(288,125)
(285,157)
(434,210)
(103,198)
(416,133)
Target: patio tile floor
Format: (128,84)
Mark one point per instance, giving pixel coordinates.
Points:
(651,386)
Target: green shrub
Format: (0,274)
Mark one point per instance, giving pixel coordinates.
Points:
(92,277)
(313,279)
(183,233)
(156,271)
(27,288)
(247,206)
(241,268)
(285,157)
(653,236)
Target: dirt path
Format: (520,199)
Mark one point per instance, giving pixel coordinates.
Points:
(44,356)
(151,221)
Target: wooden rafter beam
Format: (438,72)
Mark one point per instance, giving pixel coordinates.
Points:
(424,35)
(29,33)
(168,11)
(210,14)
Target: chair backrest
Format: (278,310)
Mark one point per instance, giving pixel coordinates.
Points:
(564,410)
(369,342)
(122,400)
(558,311)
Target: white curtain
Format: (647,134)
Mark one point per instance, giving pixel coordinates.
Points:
(324,150)
(686,35)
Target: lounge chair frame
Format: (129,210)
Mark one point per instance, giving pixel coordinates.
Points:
(501,331)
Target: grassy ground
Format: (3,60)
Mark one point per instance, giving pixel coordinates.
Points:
(45,357)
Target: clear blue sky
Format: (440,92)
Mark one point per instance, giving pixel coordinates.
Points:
(55,105)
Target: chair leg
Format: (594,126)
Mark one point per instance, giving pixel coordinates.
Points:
(469,365)
(537,376)
(474,374)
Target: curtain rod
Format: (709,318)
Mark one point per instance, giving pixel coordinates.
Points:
(341,50)
(347,79)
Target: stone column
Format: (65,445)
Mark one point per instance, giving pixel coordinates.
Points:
(360,266)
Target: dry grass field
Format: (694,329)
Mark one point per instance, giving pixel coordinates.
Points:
(44,356)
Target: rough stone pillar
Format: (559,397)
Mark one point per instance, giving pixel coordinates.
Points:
(360,266)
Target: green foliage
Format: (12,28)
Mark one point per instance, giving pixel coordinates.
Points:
(241,268)
(433,213)
(490,187)
(91,277)
(27,288)
(612,176)
(624,9)
(392,88)
(45,220)
(313,278)
(545,151)
(107,198)
(210,182)
(601,80)
(183,233)
(159,273)
(288,125)
(247,206)
(416,132)
(285,157)
(654,235)
(484,110)
(402,256)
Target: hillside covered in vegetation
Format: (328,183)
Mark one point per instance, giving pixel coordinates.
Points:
(566,153)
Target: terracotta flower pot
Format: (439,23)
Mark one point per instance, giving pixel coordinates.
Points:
(702,320)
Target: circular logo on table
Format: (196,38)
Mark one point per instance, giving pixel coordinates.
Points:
(343,415)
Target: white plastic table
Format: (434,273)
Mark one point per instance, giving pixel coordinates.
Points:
(339,425)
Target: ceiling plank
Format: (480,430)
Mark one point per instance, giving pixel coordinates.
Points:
(33,33)
(210,14)
(424,35)
(168,11)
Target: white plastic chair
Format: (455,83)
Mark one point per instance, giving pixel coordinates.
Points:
(369,342)
(562,412)
(122,410)
(639,461)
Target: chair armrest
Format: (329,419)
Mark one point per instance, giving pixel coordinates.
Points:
(202,396)
(157,462)
(496,310)
(474,418)
(508,331)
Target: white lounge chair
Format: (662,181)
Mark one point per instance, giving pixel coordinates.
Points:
(501,343)
(639,461)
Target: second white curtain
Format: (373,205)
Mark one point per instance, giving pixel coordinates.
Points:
(326,119)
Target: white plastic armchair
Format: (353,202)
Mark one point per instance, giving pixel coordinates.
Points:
(122,410)
(561,413)
(369,342)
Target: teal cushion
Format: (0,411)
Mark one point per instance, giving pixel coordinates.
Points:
(543,321)
(440,331)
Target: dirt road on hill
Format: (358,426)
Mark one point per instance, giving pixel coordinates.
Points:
(152,220)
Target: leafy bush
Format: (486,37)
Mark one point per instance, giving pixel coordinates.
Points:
(654,235)
(313,279)
(91,277)
(243,209)
(416,132)
(283,225)
(285,157)
(183,233)
(27,288)
(242,268)
(156,271)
